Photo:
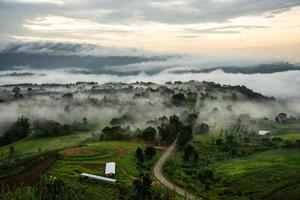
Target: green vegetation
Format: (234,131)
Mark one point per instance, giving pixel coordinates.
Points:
(35,145)
(237,164)
(219,155)
(91,158)
(17,131)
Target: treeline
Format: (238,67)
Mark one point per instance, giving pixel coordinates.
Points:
(41,128)
(17,131)
(163,134)
(47,128)
(164,130)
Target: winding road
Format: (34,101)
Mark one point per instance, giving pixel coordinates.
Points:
(158,174)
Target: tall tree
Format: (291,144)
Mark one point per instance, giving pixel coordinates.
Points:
(150,152)
(185,135)
(139,155)
(143,187)
(149,134)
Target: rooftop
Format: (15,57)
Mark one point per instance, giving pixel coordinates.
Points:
(110,168)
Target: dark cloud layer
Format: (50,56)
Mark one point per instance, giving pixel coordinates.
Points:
(14,13)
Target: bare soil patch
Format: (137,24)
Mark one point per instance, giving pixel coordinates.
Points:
(30,176)
(121,151)
(78,150)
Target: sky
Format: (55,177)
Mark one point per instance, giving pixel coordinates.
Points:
(268,28)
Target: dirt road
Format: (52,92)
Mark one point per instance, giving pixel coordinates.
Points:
(158,174)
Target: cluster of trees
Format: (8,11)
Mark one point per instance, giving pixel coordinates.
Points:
(283,118)
(190,154)
(148,153)
(144,190)
(202,128)
(143,187)
(116,133)
(50,128)
(185,135)
(148,134)
(54,128)
(168,131)
(165,133)
(178,99)
(191,119)
(181,99)
(17,131)
(250,94)
(206,177)
(126,118)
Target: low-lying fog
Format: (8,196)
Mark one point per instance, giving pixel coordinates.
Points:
(283,85)
(41,63)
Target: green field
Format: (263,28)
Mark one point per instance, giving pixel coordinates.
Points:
(91,157)
(123,153)
(254,177)
(263,174)
(35,145)
(260,169)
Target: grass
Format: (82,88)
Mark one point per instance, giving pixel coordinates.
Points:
(256,176)
(290,136)
(68,167)
(91,157)
(121,152)
(261,174)
(279,129)
(34,145)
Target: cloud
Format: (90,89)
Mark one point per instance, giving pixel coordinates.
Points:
(225,29)
(14,13)
(65,49)
(36,1)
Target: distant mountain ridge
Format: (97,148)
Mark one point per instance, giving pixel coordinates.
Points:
(92,59)
(87,58)
(257,69)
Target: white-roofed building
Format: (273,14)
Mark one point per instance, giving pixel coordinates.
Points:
(110,169)
(263,132)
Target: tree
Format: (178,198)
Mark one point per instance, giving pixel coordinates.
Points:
(167,133)
(11,151)
(184,136)
(115,133)
(84,120)
(195,157)
(175,121)
(170,130)
(178,99)
(192,118)
(149,134)
(143,187)
(50,128)
(139,156)
(230,139)
(206,177)
(219,141)
(234,96)
(150,152)
(17,131)
(282,118)
(188,152)
(202,128)
(17,92)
